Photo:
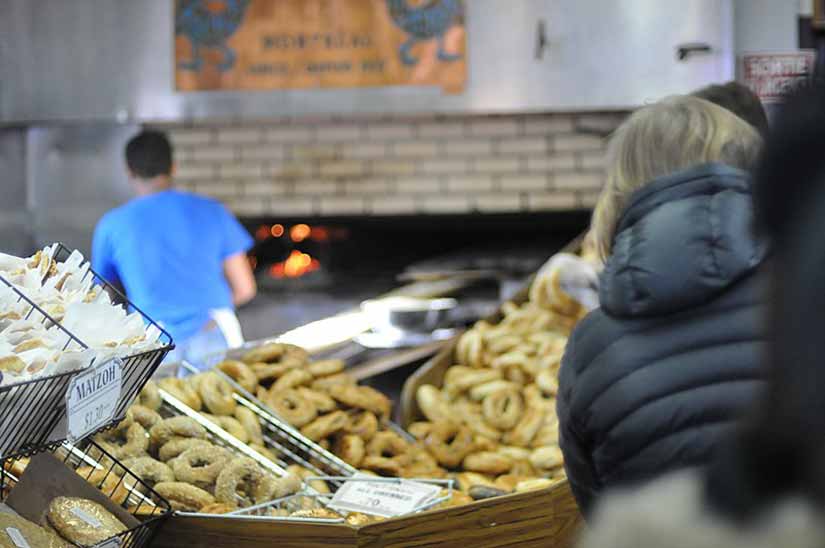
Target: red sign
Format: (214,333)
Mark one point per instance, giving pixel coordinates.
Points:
(770,75)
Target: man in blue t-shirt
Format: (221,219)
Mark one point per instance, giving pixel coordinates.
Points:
(180,257)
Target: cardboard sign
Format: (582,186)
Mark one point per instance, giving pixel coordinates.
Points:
(770,75)
(382,498)
(281,44)
(92,397)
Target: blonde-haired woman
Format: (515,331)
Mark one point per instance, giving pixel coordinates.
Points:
(657,375)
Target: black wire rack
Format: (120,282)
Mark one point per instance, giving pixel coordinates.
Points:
(31,412)
(101,470)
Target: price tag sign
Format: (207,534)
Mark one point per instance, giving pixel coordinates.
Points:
(92,398)
(382,498)
(17,538)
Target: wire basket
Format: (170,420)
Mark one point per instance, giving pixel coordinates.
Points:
(32,412)
(282,437)
(110,477)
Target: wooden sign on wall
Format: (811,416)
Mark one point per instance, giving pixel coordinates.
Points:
(280,44)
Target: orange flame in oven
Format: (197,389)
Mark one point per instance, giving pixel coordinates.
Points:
(295,266)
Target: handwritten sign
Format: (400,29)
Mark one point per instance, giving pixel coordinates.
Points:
(280,44)
(382,498)
(771,75)
(92,398)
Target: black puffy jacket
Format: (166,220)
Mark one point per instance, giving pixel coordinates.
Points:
(654,378)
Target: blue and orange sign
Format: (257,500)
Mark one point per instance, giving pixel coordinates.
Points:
(282,44)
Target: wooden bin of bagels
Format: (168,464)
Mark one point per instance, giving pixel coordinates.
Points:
(544,517)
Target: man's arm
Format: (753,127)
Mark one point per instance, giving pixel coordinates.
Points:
(241,280)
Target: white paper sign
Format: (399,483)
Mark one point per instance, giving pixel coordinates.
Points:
(92,398)
(89,519)
(382,498)
(17,537)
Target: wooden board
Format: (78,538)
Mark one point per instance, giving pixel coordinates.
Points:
(217,532)
(546,518)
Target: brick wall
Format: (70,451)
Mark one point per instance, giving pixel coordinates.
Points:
(485,164)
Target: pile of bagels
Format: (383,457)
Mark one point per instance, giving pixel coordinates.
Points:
(493,421)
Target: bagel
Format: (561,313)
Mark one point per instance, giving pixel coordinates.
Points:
(514,453)
(487,462)
(200,466)
(508,482)
(419,430)
(536,483)
(481,391)
(125,443)
(109,480)
(457,382)
(240,373)
(470,349)
(325,426)
(523,468)
(548,434)
(150,470)
(145,416)
(149,396)
(292,407)
(325,383)
(272,488)
(471,414)
(175,427)
(82,522)
(432,403)
(233,426)
(217,394)
(351,449)
(178,445)
(449,443)
(304,473)
(547,383)
(363,424)
(251,424)
(266,373)
(275,352)
(325,368)
(466,480)
(503,409)
(362,397)
(184,497)
(291,379)
(523,433)
(548,457)
(324,403)
(383,466)
(240,481)
(181,391)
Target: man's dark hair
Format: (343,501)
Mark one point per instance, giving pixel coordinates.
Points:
(149,154)
(738,99)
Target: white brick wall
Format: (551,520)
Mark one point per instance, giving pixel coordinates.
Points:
(428,165)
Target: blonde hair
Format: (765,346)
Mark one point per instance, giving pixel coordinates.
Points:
(668,136)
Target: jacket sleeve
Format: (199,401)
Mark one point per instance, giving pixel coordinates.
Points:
(578,462)
(579,468)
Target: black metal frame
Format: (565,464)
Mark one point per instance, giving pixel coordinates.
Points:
(117,483)
(29,411)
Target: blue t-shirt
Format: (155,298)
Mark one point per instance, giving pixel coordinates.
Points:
(167,250)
